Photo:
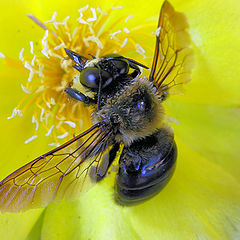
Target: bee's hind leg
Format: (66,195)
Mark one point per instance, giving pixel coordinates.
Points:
(74,93)
(106,162)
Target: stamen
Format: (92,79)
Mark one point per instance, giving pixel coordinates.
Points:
(94,39)
(112,35)
(21,55)
(140,50)
(126,30)
(63,135)
(128,17)
(49,131)
(48,104)
(41,115)
(45,44)
(100,11)
(81,10)
(33,60)
(60,46)
(64,22)
(15,113)
(40,70)
(53,18)
(118,7)
(36,122)
(2,55)
(30,76)
(28,66)
(71,124)
(30,139)
(31,47)
(124,43)
(94,18)
(26,90)
(54,144)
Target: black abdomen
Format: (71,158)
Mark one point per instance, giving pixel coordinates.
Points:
(145,167)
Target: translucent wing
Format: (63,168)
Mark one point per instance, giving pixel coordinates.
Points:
(173,59)
(61,173)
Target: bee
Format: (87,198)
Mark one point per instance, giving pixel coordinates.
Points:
(128,124)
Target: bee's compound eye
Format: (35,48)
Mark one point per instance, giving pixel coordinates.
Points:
(90,77)
(122,66)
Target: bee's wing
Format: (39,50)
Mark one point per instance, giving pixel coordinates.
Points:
(173,59)
(61,173)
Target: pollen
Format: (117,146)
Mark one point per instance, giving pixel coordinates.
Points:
(50,69)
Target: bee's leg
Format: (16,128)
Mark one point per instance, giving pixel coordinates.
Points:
(106,162)
(74,93)
(136,71)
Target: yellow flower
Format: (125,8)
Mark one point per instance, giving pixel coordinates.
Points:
(202,201)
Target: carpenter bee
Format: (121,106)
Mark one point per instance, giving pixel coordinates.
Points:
(128,124)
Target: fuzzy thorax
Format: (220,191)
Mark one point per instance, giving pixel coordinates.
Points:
(134,112)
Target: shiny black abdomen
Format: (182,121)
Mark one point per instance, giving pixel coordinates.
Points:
(145,167)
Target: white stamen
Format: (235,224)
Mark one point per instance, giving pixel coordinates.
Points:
(80,20)
(94,18)
(25,89)
(30,139)
(30,76)
(112,35)
(36,122)
(71,124)
(49,131)
(53,18)
(93,39)
(100,11)
(28,66)
(41,115)
(31,47)
(2,55)
(124,42)
(40,70)
(63,135)
(126,30)
(59,124)
(81,10)
(52,101)
(118,7)
(15,112)
(62,107)
(128,17)
(59,46)
(44,51)
(45,37)
(21,55)
(48,104)
(54,144)
(33,60)
(140,50)
(64,22)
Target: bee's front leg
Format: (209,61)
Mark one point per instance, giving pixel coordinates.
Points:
(74,93)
